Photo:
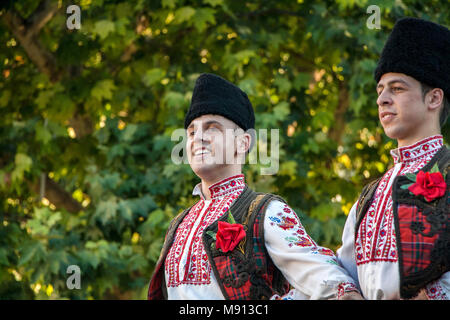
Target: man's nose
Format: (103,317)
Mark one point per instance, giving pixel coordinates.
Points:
(384,99)
(198,135)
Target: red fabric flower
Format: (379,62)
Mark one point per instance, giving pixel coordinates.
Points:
(429,185)
(229,235)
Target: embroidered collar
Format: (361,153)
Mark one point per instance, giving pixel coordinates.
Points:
(418,150)
(222,188)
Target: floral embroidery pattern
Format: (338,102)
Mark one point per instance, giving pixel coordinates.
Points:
(288,220)
(284,223)
(435,291)
(327,252)
(418,150)
(346,287)
(298,241)
(375,239)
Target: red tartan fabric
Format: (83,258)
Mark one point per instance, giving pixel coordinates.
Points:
(228,269)
(416,249)
(155,287)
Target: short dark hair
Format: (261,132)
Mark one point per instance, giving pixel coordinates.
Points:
(445,111)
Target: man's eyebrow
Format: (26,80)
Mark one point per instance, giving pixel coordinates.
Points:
(207,123)
(393,81)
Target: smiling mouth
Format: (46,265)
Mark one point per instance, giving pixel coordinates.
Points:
(387,116)
(201,152)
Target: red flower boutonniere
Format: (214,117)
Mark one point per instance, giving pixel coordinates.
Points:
(431,184)
(229,235)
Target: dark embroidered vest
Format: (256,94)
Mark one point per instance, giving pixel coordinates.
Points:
(250,274)
(422,229)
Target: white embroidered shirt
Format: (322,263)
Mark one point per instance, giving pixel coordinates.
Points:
(372,258)
(312,270)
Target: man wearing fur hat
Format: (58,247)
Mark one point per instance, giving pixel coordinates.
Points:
(235,243)
(396,241)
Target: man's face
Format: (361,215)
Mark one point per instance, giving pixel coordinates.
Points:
(401,109)
(211,144)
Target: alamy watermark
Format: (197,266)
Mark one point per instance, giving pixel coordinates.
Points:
(74,280)
(265,152)
(74,20)
(374,21)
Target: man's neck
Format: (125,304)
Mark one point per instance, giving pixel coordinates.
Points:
(412,140)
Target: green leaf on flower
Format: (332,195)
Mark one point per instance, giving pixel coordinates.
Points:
(230,219)
(211,234)
(406,186)
(411,176)
(434,169)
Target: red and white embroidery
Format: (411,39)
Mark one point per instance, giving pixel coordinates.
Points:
(289,221)
(187,261)
(418,150)
(346,287)
(435,291)
(375,240)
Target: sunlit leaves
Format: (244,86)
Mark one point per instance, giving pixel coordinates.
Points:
(153,76)
(22,164)
(103,28)
(103,132)
(103,89)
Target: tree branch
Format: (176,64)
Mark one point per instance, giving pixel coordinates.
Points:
(338,127)
(26,32)
(44,12)
(57,196)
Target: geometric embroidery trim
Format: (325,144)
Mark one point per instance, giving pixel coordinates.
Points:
(187,261)
(375,238)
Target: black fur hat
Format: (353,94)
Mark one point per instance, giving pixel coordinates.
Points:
(419,49)
(215,95)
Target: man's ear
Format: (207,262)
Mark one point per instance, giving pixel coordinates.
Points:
(243,141)
(246,142)
(434,99)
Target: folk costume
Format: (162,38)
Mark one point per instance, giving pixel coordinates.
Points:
(396,241)
(240,244)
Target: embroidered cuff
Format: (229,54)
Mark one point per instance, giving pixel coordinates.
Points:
(436,292)
(345,287)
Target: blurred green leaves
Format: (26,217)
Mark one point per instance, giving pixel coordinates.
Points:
(101,132)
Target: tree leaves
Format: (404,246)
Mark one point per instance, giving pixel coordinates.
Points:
(101,128)
(22,164)
(153,76)
(103,89)
(184,14)
(103,28)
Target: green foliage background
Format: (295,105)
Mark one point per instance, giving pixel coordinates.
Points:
(94,121)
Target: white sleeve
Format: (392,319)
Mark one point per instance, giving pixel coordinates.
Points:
(346,253)
(439,289)
(309,268)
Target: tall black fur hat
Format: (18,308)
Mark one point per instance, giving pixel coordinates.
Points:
(419,49)
(215,95)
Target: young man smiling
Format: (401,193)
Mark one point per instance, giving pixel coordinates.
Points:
(235,243)
(396,241)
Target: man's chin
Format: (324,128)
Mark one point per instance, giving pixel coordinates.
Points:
(390,132)
(205,170)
